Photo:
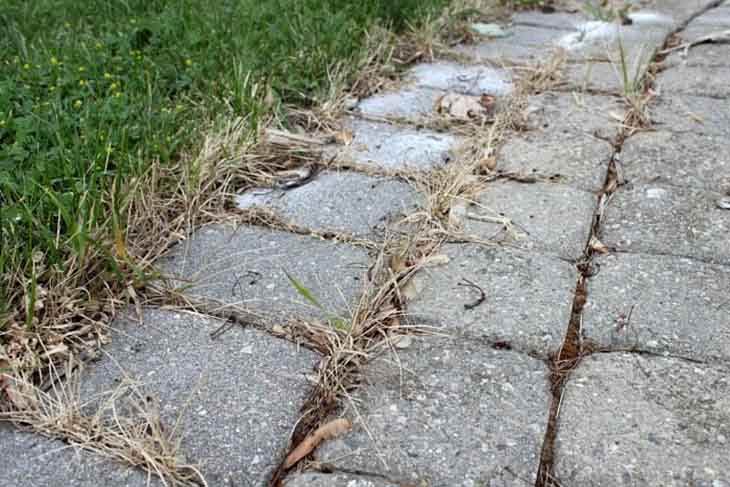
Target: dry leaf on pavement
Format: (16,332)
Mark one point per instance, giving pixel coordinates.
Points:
(327,431)
(464,107)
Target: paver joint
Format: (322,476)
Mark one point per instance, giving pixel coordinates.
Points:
(464,386)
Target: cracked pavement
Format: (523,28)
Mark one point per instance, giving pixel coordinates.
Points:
(644,401)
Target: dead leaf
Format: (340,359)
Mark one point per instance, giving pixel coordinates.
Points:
(598,246)
(462,107)
(437,259)
(344,137)
(328,431)
(488,164)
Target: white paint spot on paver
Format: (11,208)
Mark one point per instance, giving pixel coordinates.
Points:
(589,32)
(656,193)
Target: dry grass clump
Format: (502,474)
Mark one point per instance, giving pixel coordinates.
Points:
(123,424)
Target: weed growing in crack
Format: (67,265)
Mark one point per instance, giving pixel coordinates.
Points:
(633,81)
(335,321)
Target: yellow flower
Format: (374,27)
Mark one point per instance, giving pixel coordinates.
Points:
(107,76)
(2,123)
(67,25)
(114,86)
(188,62)
(54,60)
(179,107)
(99,45)
(82,82)
(52,89)
(109,149)
(77,104)
(26,66)
(117,94)
(81,69)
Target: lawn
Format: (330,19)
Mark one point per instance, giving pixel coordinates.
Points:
(96,93)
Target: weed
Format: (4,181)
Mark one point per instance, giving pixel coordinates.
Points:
(335,321)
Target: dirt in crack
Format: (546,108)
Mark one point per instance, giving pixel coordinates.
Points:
(561,364)
(574,348)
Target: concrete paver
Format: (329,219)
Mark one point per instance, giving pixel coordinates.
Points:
(413,104)
(238,395)
(661,304)
(447,412)
(594,76)
(563,139)
(545,217)
(524,44)
(634,420)
(715,20)
(459,78)
(660,219)
(694,114)
(337,480)
(248,266)
(396,147)
(31,460)
(689,160)
(345,202)
(522,292)
(707,56)
(696,80)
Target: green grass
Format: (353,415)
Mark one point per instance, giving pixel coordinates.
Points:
(94,92)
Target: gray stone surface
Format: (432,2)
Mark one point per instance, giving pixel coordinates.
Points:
(696,114)
(394,147)
(681,10)
(632,420)
(339,201)
(562,139)
(408,103)
(701,161)
(30,460)
(687,70)
(239,395)
(545,217)
(469,80)
(528,296)
(337,480)
(670,220)
(596,76)
(248,266)
(447,412)
(703,55)
(696,80)
(555,20)
(661,304)
(523,45)
(714,20)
